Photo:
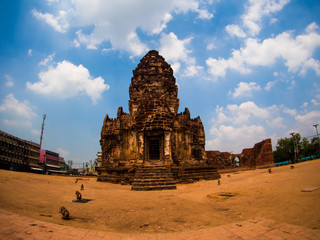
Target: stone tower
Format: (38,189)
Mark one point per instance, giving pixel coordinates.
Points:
(153,133)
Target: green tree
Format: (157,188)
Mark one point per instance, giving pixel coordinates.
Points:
(296,141)
(309,149)
(316,145)
(288,148)
(284,150)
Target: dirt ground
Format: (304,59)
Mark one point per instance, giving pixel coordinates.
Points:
(252,194)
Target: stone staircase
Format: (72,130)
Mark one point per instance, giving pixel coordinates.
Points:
(189,174)
(153,177)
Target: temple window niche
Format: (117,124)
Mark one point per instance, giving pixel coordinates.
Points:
(153,133)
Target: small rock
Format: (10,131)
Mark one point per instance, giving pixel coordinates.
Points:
(144,225)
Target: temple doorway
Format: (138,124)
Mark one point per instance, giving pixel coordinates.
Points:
(154,149)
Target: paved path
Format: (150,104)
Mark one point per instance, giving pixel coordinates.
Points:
(17,227)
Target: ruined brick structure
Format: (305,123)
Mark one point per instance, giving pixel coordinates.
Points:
(153,141)
(259,156)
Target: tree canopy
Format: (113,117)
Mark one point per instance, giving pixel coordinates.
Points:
(295,148)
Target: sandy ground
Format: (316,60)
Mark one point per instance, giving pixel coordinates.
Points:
(277,196)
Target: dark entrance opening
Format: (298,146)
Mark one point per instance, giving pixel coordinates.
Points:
(154,149)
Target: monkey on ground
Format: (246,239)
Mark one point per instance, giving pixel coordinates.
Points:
(65,213)
(79,195)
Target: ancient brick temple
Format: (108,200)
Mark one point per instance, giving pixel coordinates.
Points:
(154,146)
(260,156)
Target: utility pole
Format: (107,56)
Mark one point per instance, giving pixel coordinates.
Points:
(43,163)
(294,147)
(83,168)
(316,126)
(70,162)
(44,118)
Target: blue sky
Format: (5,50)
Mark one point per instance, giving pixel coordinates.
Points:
(250,69)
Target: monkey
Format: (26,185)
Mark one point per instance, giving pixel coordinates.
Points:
(65,213)
(82,187)
(269,170)
(218,181)
(292,167)
(79,196)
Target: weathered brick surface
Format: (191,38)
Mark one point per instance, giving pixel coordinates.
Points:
(259,156)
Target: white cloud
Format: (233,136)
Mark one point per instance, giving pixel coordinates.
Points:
(63,153)
(163,23)
(16,108)
(17,123)
(245,89)
(229,138)
(240,126)
(52,1)
(305,104)
(106,50)
(173,49)
(221,118)
(235,30)
(315,102)
(289,111)
(276,123)
(117,21)
(305,122)
(59,23)
(241,114)
(47,61)
(135,46)
(9,80)
(312,27)
(176,67)
(35,132)
(219,67)
(204,14)
(192,71)
(176,52)
(257,9)
(248,110)
(310,117)
(296,52)
(270,84)
(273,21)
(211,46)
(67,80)
(311,64)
